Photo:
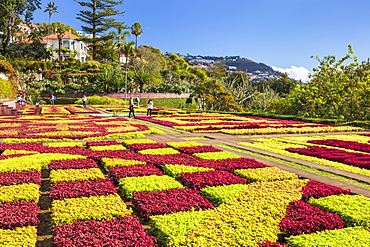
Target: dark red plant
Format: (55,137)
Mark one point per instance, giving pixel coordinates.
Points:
(302,218)
(124,231)
(150,203)
(18,214)
(84,188)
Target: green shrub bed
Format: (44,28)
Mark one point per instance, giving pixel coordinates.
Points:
(249,218)
(114,162)
(346,237)
(75,174)
(221,194)
(264,174)
(22,236)
(171,229)
(19,193)
(217,155)
(176,170)
(87,208)
(353,209)
(128,186)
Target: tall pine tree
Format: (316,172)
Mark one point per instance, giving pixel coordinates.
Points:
(99,18)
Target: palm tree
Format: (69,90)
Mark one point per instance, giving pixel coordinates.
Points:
(137,31)
(128,50)
(51,8)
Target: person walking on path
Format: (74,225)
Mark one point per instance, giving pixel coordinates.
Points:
(84,99)
(131,108)
(150,107)
(138,101)
(52,99)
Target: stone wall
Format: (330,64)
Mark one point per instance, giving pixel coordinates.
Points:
(122,95)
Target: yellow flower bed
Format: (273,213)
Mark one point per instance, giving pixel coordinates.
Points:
(265,174)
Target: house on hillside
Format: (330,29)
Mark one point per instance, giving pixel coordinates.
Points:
(68,41)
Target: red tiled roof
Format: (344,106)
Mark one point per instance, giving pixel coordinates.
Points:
(65,35)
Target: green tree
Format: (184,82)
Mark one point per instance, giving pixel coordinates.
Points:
(99,18)
(211,95)
(11,10)
(51,8)
(282,85)
(142,77)
(137,31)
(240,87)
(338,89)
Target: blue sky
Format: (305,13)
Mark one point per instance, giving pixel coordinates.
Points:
(279,33)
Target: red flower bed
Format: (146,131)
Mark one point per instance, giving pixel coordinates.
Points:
(170,159)
(200,149)
(143,146)
(118,172)
(350,158)
(150,203)
(240,163)
(199,180)
(73,164)
(101,143)
(302,218)
(24,177)
(316,190)
(363,147)
(31,146)
(124,231)
(18,214)
(84,188)
(119,154)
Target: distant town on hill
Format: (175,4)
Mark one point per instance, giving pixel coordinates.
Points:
(255,71)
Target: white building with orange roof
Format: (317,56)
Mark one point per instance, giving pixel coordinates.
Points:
(69,41)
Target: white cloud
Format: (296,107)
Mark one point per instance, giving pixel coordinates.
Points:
(298,73)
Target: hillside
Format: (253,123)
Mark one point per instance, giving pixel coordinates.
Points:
(241,64)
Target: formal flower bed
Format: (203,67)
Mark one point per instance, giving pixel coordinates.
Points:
(264,174)
(176,170)
(73,164)
(21,236)
(80,109)
(150,203)
(20,193)
(242,125)
(130,185)
(116,173)
(350,158)
(71,127)
(99,233)
(353,209)
(171,229)
(303,218)
(69,210)
(75,174)
(353,145)
(346,237)
(143,146)
(83,188)
(199,202)
(18,214)
(25,177)
(199,180)
(108,163)
(199,149)
(322,156)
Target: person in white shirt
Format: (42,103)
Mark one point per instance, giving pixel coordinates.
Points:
(150,107)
